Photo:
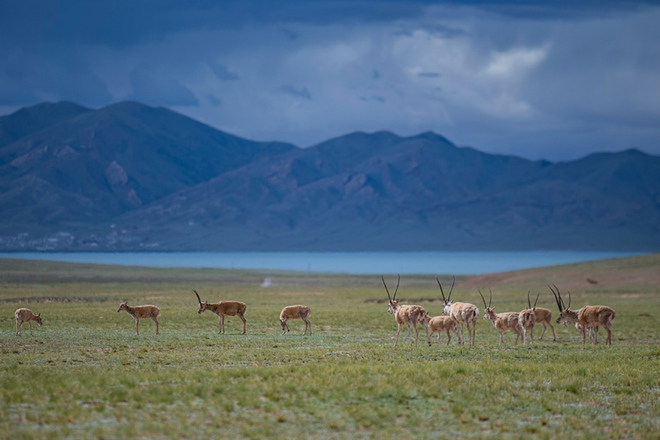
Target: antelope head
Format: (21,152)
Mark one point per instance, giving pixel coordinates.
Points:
(123,306)
(566,315)
(489,312)
(37,318)
(447,300)
(202,305)
(393,303)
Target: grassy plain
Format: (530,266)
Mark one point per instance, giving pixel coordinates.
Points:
(86,374)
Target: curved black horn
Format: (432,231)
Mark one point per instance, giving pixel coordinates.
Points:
(398,281)
(197,295)
(441,291)
(557,298)
(569,300)
(536,300)
(490,297)
(482,298)
(386,289)
(452,288)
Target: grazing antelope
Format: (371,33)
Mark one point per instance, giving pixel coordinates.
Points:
(463,313)
(222,309)
(439,324)
(405,314)
(544,316)
(501,321)
(295,312)
(527,319)
(26,315)
(141,312)
(589,317)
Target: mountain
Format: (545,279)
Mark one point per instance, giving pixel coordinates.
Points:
(130,176)
(95,165)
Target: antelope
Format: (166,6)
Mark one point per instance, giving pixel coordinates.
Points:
(141,312)
(544,316)
(295,312)
(593,332)
(405,314)
(527,320)
(463,313)
(26,315)
(439,324)
(589,317)
(222,309)
(501,321)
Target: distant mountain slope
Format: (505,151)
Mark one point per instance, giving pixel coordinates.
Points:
(130,176)
(36,118)
(381,191)
(99,164)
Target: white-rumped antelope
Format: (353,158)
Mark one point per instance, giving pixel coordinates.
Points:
(26,315)
(222,309)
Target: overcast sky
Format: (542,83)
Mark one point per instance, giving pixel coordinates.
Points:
(553,79)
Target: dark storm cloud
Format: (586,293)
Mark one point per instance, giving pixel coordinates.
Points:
(223,72)
(156,87)
(553,79)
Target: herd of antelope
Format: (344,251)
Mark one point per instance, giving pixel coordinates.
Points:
(455,316)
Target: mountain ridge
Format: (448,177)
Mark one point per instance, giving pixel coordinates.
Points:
(130,176)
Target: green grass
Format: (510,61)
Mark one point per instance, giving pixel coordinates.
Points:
(85,374)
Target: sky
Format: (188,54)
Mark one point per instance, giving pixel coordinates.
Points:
(554,79)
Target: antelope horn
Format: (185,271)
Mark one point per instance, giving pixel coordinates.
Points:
(529,303)
(386,289)
(198,298)
(557,299)
(441,291)
(483,299)
(490,297)
(536,300)
(569,300)
(398,280)
(452,288)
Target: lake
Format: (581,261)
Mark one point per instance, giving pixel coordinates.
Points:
(456,263)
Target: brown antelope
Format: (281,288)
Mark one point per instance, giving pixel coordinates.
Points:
(544,316)
(527,320)
(26,315)
(589,317)
(463,313)
(141,312)
(593,332)
(439,324)
(501,321)
(295,312)
(222,309)
(405,314)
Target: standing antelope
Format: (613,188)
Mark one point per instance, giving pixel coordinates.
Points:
(544,316)
(439,324)
(463,313)
(589,317)
(405,314)
(295,312)
(222,308)
(141,312)
(527,319)
(501,321)
(25,315)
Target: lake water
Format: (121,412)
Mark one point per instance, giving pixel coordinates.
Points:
(457,263)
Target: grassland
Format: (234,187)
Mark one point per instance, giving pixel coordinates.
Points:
(86,374)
